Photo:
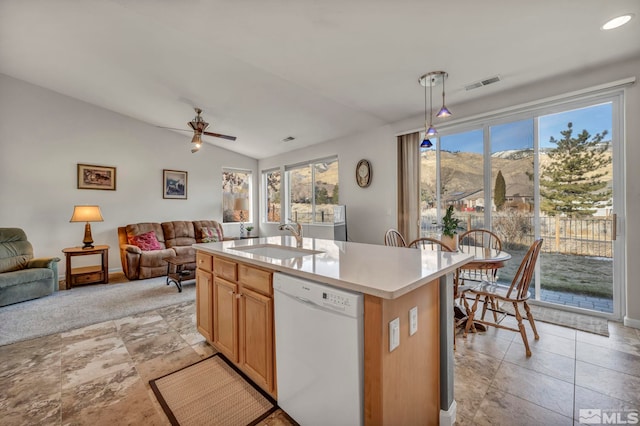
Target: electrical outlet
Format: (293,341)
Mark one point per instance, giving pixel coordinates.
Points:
(413,320)
(394,334)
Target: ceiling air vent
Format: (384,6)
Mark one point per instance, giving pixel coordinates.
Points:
(288,139)
(481,83)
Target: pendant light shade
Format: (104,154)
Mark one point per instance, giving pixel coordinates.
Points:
(444,112)
(426,143)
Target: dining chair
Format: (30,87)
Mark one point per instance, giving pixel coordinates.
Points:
(394,238)
(474,242)
(430,243)
(492,295)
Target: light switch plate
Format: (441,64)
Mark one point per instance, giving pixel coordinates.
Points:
(413,320)
(394,334)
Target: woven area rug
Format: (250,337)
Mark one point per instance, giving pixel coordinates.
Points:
(573,320)
(212,392)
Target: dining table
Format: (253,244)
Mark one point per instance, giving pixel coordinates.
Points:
(485,259)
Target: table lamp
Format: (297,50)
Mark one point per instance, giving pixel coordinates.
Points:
(241,204)
(87,214)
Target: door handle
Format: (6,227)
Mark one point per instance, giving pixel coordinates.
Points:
(614,227)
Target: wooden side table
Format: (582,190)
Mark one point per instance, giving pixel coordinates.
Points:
(87,274)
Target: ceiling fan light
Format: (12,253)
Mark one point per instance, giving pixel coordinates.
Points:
(197,139)
(444,112)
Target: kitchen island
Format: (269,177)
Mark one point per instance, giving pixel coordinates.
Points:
(413,384)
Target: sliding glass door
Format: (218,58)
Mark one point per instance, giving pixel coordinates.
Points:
(577,208)
(549,173)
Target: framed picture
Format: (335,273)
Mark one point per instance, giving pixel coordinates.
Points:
(174,184)
(96,177)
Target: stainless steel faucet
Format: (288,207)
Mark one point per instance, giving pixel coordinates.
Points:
(297,231)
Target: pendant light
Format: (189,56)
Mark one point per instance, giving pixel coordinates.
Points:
(444,111)
(431,79)
(426,143)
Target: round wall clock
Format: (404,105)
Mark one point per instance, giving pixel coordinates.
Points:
(363,173)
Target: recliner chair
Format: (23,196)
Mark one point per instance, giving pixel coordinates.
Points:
(21,276)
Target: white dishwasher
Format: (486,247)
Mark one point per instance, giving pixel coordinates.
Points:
(319,352)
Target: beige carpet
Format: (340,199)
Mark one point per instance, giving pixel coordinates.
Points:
(211,392)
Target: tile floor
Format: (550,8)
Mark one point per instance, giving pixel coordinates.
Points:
(99,374)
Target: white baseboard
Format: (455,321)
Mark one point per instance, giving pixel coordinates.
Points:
(448,418)
(630,322)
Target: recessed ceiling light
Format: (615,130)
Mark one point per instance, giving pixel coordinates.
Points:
(617,21)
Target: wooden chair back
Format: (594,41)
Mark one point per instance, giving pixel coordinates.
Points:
(394,238)
(481,238)
(474,241)
(521,281)
(431,243)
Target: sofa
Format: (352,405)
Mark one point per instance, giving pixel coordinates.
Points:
(22,277)
(143,246)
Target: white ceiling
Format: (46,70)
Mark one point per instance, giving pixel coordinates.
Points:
(263,70)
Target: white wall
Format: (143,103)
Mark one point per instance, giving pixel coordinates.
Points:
(44,135)
(371,210)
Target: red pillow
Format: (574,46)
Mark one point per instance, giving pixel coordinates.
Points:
(145,242)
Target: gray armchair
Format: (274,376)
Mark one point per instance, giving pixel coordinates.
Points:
(21,276)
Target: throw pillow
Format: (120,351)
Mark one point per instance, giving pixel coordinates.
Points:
(211,235)
(146,242)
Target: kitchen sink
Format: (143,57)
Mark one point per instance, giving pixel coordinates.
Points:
(275,251)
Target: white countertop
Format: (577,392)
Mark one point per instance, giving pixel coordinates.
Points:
(386,272)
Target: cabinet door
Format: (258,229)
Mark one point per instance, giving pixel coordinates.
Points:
(225,318)
(256,337)
(204,304)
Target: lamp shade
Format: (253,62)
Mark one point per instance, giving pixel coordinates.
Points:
(86,214)
(241,203)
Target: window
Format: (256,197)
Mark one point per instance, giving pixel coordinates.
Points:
(236,196)
(272,180)
(313,191)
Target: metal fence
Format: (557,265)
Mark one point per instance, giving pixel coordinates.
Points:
(584,236)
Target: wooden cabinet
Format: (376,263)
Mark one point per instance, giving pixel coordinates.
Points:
(240,306)
(256,337)
(204,303)
(204,295)
(225,317)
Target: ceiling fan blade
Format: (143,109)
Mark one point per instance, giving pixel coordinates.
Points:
(173,128)
(218,135)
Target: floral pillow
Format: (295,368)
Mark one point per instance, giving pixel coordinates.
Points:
(146,242)
(211,235)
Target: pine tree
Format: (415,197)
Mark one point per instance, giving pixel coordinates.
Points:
(573,182)
(499,191)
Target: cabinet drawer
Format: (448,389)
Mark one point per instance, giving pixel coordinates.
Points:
(87,278)
(204,261)
(256,279)
(226,269)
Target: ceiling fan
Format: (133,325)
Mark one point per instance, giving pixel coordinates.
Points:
(198,125)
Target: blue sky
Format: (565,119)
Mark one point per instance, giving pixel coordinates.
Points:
(519,134)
